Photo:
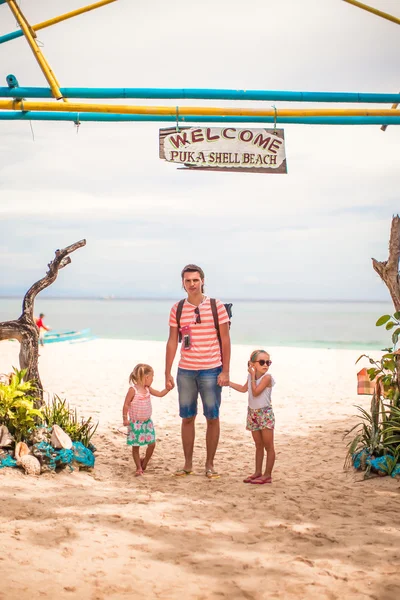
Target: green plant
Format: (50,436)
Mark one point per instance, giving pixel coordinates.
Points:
(17,406)
(369,436)
(378,432)
(58,412)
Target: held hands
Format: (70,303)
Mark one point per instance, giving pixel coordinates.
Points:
(223,379)
(126,420)
(169,382)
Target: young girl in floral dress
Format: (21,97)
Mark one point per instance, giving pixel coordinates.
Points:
(136,414)
(260,416)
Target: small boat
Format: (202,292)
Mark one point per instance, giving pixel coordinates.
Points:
(50,337)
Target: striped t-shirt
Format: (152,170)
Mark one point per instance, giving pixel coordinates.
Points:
(205,352)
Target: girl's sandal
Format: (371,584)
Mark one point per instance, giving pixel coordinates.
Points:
(139,472)
(250,478)
(261,480)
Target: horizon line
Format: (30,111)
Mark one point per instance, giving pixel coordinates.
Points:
(173,299)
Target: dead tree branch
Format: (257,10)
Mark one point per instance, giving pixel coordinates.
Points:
(24,329)
(388,270)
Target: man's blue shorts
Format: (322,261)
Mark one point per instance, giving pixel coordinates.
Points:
(191,383)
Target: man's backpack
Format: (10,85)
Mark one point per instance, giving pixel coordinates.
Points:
(213,303)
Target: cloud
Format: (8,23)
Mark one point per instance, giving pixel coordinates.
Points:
(307,234)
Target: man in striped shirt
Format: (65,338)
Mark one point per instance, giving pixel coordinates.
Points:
(203,367)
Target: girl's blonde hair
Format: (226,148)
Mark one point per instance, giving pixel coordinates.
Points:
(255,353)
(139,373)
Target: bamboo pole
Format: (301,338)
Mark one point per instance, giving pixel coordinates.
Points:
(77,117)
(48,73)
(202,94)
(71,14)
(54,20)
(375,11)
(393,108)
(191,110)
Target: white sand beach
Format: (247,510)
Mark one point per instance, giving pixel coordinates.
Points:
(317,532)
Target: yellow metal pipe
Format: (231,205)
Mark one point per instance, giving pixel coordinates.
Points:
(375,11)
(71,14)
(48,73)
(190,110)
(394,106)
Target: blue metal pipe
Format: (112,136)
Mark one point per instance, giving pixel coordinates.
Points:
(108,117)
(202,94)
(11,36)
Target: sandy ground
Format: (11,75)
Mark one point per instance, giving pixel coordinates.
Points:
(317,532)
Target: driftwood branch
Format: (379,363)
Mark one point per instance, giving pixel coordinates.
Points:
(388,270)
(24,329)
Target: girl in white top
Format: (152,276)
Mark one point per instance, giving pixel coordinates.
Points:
(260,416)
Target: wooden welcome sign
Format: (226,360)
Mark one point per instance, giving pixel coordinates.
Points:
(225,149)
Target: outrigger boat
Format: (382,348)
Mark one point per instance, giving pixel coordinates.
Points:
(50,337)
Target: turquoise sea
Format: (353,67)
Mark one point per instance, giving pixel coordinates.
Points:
(265,323)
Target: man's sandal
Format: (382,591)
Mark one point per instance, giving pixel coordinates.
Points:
(182,473)
(210,474)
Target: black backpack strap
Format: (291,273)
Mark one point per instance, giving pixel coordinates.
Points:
(178,317)
(215,316)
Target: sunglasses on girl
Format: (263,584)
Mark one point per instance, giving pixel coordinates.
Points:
(264,362)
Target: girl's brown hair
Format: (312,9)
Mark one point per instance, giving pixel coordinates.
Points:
(139,373)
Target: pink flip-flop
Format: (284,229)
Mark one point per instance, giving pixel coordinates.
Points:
(260,481)
(250,478)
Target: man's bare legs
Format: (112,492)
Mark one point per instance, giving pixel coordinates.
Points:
(188,435)
(212,438)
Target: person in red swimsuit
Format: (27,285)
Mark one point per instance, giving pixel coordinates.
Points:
(42,328)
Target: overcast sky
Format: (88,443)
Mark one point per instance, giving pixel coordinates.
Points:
(309,234)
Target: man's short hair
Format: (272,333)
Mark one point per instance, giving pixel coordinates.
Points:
(191,269)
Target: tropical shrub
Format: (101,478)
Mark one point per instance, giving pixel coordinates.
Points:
(17,406)
(58,412)
(378,431)
(18,412)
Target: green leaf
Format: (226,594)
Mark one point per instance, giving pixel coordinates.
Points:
(397,315)
(390,325)
(382,320)
(395,336)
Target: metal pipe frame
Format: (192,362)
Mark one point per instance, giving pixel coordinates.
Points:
(77,117)
(16,34)
(202,94)
(26,29)
(192,110)
(373,10)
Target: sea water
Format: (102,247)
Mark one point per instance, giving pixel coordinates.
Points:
(260,323)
